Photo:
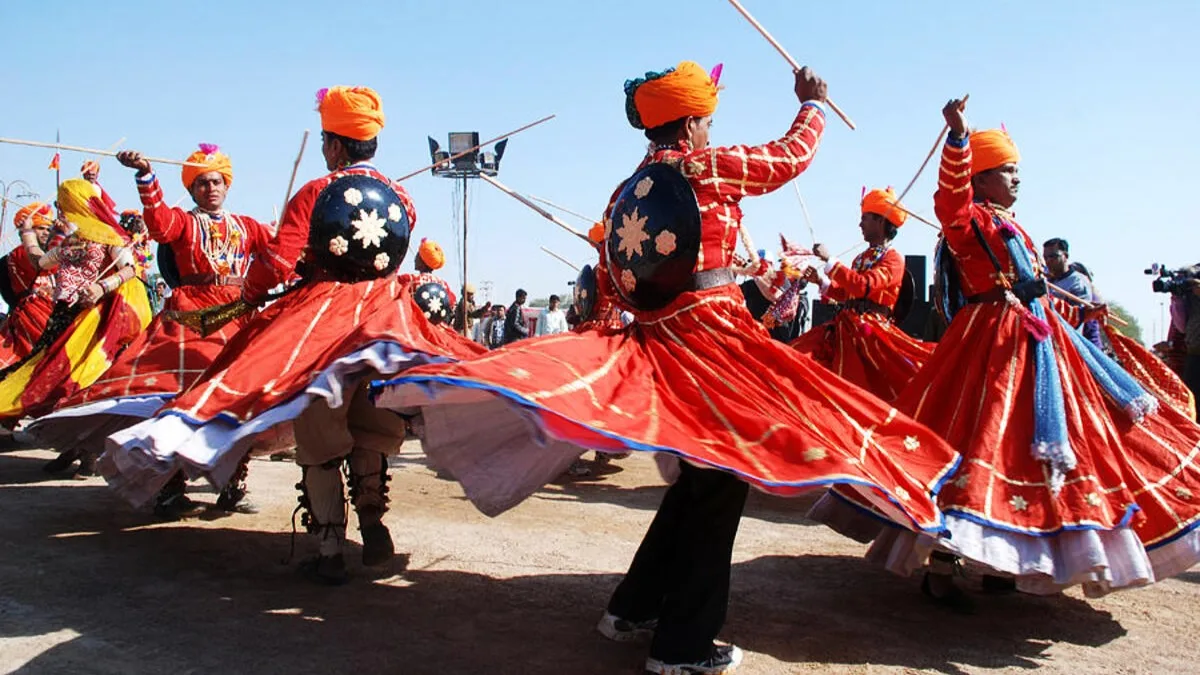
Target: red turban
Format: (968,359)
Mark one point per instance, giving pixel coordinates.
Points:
(42,215)
(596,233)
(884,203)
(213,160)
(90,166)
(353,112)
(686,90)
(431,254)
(992,148)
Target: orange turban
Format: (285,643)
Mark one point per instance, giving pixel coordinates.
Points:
(883,203)
(596,233)
(90,165)
(42,215)
(686,90)
(992,148)
(213,160)
(431,254)
(353,112)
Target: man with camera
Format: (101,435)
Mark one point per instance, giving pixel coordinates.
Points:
(1185,318)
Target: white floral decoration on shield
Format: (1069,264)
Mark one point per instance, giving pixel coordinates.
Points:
(643,187)
(381,261)
(394,213)
(352,196)
(338,246)
(628,281)
(632,233)
(435,305)
(664,243)
(369,228)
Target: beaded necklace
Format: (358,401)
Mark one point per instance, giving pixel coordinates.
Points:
(868,258)
(223,249)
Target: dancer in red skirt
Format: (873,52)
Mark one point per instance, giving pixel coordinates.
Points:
(1072,473)
(306,358)
(862,343)
(694,376)
(27,288)
(211,249)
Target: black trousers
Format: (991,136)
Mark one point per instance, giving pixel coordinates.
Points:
(680,574)
(1191,377)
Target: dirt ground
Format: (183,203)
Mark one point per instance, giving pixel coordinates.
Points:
(89,585)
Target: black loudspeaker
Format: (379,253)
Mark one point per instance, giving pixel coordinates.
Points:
(918,316)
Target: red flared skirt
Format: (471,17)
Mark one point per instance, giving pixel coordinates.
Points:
(22,328)
(1152,373)
(868,350)
(699,379)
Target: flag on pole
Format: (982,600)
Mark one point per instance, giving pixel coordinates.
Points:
(55,161)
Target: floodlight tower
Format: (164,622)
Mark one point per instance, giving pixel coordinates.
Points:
(465,160)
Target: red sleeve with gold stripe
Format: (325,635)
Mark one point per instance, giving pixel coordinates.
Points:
(748,170)
(163,223)
(277,262)
(880,284)
(952,201)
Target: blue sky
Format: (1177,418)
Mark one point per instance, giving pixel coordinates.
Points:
(1100,97)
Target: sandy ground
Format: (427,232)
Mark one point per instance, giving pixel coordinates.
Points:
(89,585)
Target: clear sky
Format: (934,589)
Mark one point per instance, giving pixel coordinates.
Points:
(1100,96)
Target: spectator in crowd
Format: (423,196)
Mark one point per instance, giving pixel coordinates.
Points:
(494,334)
(1065,276)
(514,322)
(553,320)
(466,315)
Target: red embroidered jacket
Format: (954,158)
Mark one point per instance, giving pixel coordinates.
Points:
(955,206)
(278,262)
(182,231)
(879,284)
(723,176)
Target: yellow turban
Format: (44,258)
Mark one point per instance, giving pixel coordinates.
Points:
(431,254)
(992,148)
(213,160)
(84,207)
(883,203)
(686,90)
(42,215)
(353,112)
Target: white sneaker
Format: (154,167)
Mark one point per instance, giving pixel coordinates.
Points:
(722,659)
(617,629)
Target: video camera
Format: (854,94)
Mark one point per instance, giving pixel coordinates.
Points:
(1171,281)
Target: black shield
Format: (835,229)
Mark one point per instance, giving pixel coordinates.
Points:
(653,237)
(434,302)
(585,293)
(359,229)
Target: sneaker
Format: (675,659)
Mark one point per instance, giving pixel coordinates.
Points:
(377,544)
(232,500)
(617,629)
(325,570)
(723,659)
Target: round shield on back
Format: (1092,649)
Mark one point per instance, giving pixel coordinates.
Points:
(904,302)
(585,293)
(359,229)
(653,237)
(434,302)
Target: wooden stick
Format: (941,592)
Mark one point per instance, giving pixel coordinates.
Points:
(1067,295)
(561,259)
(564,209)
(179,201)
(937,144)
(468,151)
(918,217)
(295,168)
(804,209)
(92,151)
(544,213)
(850,250)
(788,57)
